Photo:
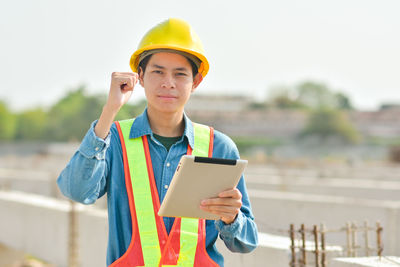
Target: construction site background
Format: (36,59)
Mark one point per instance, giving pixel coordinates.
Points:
(291,180)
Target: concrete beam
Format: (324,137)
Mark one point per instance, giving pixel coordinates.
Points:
(366,262)
(311,169)
(355,188)
(39,226)
(275,211)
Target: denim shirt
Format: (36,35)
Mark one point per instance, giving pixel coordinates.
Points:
(97,168)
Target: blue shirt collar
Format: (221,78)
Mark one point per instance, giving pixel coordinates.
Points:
(141,127)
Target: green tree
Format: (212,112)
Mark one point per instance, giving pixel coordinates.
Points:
(128,110)
(31,124)
(7,122)
(70,118)
(283,98)
(318,96)
(315,95)
(343,102)
(327,123)
(308,95)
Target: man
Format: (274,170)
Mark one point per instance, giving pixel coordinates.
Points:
(133,161)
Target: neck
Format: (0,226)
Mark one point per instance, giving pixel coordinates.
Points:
(166,124)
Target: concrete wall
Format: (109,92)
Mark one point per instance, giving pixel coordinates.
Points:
(303,168)
(277,210)
(36,225)
(356,188)
(40,226)
(35,182)
(367,262)
(93,236)
(35,186)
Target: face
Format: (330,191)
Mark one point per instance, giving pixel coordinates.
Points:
(168,82)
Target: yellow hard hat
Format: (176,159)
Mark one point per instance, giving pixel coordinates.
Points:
(175,34)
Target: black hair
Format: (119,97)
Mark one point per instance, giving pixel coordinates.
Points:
(145,61)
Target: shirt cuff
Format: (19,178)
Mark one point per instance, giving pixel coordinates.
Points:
(94,146)
(230,231)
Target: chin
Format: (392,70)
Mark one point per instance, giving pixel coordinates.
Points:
(165,108)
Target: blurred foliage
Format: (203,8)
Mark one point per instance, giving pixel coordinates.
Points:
(386,106)
(326,107)
(67,120)
(343,102)
(129,111)
(329,123)
(382,141)
(247,143)
(258,106)
(31,124)
(7,122)
(71,116)
(305,96)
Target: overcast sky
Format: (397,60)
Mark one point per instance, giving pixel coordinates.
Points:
(48,47)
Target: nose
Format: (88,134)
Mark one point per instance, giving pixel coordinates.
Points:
(168,81)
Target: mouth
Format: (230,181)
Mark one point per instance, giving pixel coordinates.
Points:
(167,96)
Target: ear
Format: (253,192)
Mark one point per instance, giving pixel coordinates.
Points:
(141,76)
(196,81)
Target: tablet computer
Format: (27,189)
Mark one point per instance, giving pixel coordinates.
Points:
(196,179)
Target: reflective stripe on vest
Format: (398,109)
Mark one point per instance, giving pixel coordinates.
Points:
(185,245)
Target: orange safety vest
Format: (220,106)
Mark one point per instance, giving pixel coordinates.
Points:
(150,244)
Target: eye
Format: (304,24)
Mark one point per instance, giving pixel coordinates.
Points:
(157,71)
(181,74)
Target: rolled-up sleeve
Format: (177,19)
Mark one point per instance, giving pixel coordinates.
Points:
(84,177)
(241,235)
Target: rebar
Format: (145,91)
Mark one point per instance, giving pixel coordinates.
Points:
(379,239)
(292,247)
(303,260)
(366,238)
(323,252)
(354,239)
(315,232)
(348,234)
(320,251)
(73,237)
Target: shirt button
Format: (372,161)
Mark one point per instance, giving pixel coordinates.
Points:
(166,186)
(168,164)
(97,149)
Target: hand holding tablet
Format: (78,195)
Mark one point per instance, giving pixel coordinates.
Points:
(226,205)
(204,188)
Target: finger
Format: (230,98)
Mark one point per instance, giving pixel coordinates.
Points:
(222,202)
(117,76)
(128,73)
(221,209)
(123,74)
(125,83)
(222,213)
(125,87)
(232,193)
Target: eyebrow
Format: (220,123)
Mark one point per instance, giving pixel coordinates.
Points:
(161,67)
